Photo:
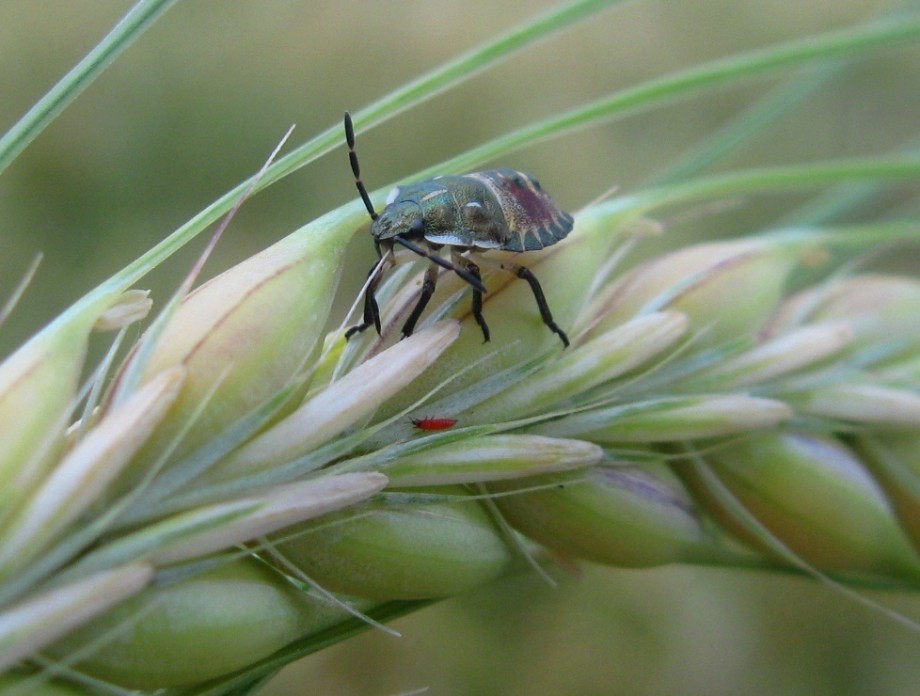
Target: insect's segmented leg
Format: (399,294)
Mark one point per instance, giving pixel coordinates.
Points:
(477,305)
(371,310)
(526,274)
(428,285)
(473,270)
(431,256)
(545,314)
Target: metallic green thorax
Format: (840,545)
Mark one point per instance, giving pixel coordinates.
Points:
(496,209)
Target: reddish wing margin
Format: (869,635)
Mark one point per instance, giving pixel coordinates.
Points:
(534,219)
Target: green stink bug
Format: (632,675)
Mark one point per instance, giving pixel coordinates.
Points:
(495,209)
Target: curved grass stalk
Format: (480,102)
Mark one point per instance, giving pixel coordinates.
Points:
(140,18)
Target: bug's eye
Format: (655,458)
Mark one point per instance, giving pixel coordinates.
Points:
(417,227)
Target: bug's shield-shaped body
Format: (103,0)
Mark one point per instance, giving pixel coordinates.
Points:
(497,209)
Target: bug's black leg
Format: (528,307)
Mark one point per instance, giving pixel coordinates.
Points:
(473,270)
(468,277)
(428,286)
(477,315)
(371,310)
(545,314)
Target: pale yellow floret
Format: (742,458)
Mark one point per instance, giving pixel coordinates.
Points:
(272,510)
(27,627)
(83,474)
(343,404)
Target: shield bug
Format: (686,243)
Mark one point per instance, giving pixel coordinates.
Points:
(434,424)
(496,209)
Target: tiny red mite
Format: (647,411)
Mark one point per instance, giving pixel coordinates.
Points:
(499,209)
(434,423)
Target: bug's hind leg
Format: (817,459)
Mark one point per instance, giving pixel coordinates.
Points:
(526,274)
(428,285)
(547,316)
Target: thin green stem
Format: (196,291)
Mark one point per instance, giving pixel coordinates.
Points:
(835,45)
(693,82)
(749,123)
(770,179)
(34,121)
(438,80)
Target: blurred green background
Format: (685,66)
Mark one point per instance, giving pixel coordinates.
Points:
(198,103)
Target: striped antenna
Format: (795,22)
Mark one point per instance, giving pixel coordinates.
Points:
(355,168)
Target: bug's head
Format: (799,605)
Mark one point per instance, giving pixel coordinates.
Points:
(401,217)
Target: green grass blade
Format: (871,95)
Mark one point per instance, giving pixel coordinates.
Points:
(745,126)
(438,80)
(846,44)
(469,64)
(843,173)
(836,203)
(131,26)
(770,179)
(753,120)
(442,78)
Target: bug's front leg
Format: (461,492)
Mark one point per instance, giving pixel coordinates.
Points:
(371,310)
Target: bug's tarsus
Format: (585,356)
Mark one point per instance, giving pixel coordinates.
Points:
(356,329)
(526,274)
(355,167)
